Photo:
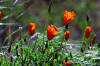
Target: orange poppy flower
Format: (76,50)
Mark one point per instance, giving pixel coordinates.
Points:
(52,31)
(68,16)
(68,64)
(32,27)
(88,30)
(0,16)
(66,34)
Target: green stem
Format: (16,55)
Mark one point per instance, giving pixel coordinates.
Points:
(21,44)
(45,28)
(83,40)
(29,41)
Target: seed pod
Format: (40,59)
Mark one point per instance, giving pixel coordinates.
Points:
(66,26)
(35,64)
(9,49)
(66,59)
(16,47)
(90,44)
(98,45)
(46,46)
(49,8)
(82,50)
(0,16)
(24,39)
(87,18)
(71,55)
(88,47)
(43,51)
(56,56)
(11,59)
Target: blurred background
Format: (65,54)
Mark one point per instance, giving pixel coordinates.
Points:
(17,13)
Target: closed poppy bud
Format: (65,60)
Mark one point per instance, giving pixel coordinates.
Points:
(69,64)
(32,27)
(98,45)
(93,40)
(66,34)
(68,16)
(88,31)
(64,61)
(0,16)
(52,31)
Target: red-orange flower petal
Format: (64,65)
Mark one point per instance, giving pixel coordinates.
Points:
(68,16)
(88,31)
(66,34)
(32,27)
(0,16)
(52,31)
(69,64)
(73,15)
